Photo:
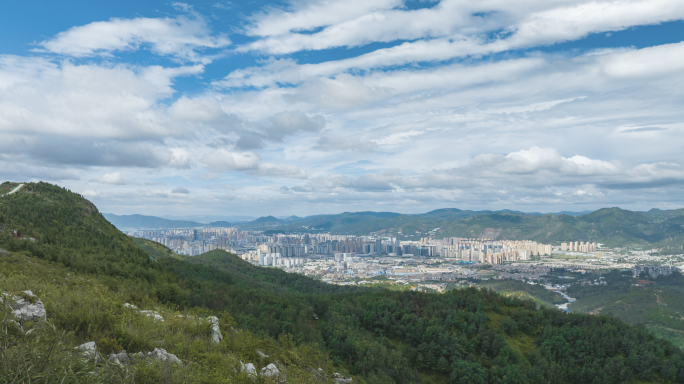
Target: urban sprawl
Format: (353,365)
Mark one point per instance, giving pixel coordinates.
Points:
(429,263)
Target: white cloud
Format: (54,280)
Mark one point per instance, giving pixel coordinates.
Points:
(279,170)
(115,178)
(180,37)
(311,14)
(289,123)
(334,142)
(223,160)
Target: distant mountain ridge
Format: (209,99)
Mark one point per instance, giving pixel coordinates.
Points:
(611,226)
(142,221)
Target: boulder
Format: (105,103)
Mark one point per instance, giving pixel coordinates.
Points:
(157,316)
(261,354)
(119,358)
(249,368)
(270,371)
(216,335)
(339,379)
(89,349)
(159,354)
(28,308)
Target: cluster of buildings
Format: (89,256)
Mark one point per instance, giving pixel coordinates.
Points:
(578,246)
(289,250)
(652,271)
(485,251)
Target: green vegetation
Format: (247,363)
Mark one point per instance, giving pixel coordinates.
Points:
(81,309)
(156,250)
(84,270)
(660,307)
(518,289)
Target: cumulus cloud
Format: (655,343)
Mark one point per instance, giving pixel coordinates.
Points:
(180,37)
(290,122)
(115,178)
(223,160)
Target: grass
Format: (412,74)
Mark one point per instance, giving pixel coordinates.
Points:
(81,309)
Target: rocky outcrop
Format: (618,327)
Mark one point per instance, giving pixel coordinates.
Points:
(249,368)
(89,350)
(27,307)
(270,371)
(339,379)
(119,358)
(159,354)
(261,354)
(216,335)
(146,312)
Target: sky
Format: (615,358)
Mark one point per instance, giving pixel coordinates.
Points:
(307,107)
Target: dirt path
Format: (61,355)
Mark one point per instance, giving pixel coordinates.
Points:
(18,187)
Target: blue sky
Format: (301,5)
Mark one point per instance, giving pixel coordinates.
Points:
(305,107)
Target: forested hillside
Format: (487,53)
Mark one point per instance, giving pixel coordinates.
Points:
(56,243)
(658,304)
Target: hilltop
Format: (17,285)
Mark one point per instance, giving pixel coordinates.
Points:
(57,244)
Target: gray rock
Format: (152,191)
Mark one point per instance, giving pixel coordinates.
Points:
(157,316)
(87,347)
(89,350)
(119,358)
(339,379)
(216,335)
(249,368)
(261,354)
(270,371)
(24,310)
(159,354)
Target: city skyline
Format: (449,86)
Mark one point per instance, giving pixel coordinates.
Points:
(304,107)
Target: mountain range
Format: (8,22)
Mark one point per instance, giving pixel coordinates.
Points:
(610,226)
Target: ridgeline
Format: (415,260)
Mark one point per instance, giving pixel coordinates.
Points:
(57,244)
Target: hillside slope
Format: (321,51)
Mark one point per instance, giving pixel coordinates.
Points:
(84,270)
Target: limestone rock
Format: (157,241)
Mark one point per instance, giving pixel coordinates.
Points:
(216,331)
(261,354)
(89,349)
(159,354)
(157,316)
(249,368)
(270,371)
(28,310)
(339,379)
(119,358)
